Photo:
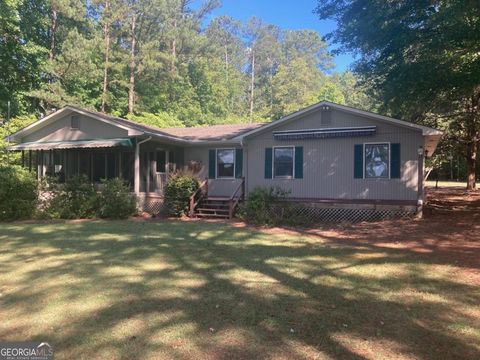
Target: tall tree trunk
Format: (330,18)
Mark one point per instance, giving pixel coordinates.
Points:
(53,33)
(472,146)
(252,86)
(226,63)
(133,64)
(473,134)
(106,32)
(173,66)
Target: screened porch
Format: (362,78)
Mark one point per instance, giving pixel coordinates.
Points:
(97,163)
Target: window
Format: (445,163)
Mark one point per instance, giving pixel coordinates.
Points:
(74,122)
(225,163)
(377,160)
(283,162)
(161,161)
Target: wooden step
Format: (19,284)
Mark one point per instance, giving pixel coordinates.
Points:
(223,216)
(203,209)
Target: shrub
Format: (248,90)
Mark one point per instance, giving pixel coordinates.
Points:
(178,190)
(75,199)
(18,193)
(115,200)
(259,207)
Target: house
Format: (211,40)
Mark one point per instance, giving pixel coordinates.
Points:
(330,157)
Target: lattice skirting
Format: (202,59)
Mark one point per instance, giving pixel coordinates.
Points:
(334,213)
(152,205)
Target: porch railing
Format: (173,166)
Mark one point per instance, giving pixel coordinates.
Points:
(197,197)
(237,195)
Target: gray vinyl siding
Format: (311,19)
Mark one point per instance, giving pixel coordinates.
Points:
(216,187)
(329,163)
(89,129)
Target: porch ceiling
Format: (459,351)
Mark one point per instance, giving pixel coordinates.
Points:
(79,144)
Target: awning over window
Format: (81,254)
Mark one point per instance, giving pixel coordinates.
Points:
(325,133)
(77,144)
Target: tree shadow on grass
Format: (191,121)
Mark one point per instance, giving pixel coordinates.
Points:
(206,290)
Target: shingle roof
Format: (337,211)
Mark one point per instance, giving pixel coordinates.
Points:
(198,133)
(212,132)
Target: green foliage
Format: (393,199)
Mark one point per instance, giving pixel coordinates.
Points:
(115,200)
(330,92)
(178,190)
(75,199)
(7,129)
(18,193)
(258,207)
(295,86)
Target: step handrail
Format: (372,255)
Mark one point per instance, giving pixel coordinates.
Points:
(192,203)
(234,200)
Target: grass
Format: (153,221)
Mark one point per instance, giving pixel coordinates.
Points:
(446,184)
(197,290)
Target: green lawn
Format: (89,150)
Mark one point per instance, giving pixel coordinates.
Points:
(197,290)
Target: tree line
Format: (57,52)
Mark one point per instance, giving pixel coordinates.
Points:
(161,62)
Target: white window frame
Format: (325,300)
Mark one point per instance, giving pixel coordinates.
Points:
(273,162)
(389,160)
(234,162)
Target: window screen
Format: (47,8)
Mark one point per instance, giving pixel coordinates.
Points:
(225,163)
(377,160)
(283,162)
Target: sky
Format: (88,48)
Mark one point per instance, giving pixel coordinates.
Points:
(287,14)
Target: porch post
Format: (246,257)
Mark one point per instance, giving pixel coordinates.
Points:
(420,186)
(137,164)
(136,170)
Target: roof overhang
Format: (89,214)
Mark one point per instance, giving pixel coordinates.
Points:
(79,144)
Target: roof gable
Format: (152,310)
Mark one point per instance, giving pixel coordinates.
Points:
(316,107)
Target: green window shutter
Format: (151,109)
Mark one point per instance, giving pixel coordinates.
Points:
(268,163)
(395,161)
(358,162)
(298,162)
(212,161)
(238,163)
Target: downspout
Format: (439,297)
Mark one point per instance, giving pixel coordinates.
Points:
(245,167)
(137,165)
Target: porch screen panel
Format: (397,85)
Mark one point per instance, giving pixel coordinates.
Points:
(98,167)
(161,161)
(72,163)
(111,166)
(128,164)
(84,164)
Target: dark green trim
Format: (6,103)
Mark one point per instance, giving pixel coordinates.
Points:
(298,162)
(395,162)
(212,154)
(268,163)
(358,162)
(238,163)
